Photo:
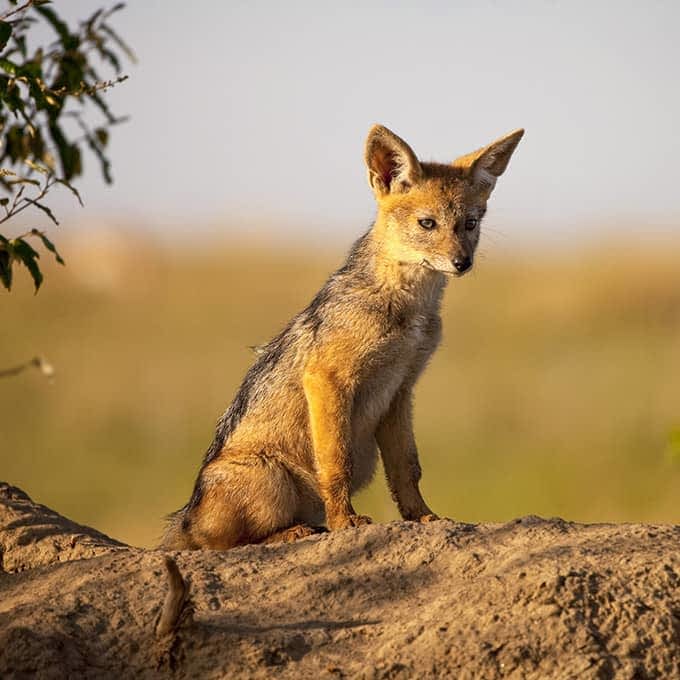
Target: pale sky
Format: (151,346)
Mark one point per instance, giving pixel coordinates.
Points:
(254,114)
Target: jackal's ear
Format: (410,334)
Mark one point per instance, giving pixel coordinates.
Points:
(392,165)
(485,165)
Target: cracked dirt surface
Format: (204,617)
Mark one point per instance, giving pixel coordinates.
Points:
(532,598)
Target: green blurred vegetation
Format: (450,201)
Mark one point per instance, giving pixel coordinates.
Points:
(556,390)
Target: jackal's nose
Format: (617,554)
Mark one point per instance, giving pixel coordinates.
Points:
(462,263)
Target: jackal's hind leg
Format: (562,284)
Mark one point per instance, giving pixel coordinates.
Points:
(245,500)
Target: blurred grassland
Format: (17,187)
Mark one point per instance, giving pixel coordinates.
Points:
(555,392)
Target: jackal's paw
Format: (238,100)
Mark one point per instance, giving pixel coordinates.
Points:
(423,516)
(430,517)
(292,534)
(298,531)
(348,521)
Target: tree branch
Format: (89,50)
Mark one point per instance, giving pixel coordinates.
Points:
(36,362)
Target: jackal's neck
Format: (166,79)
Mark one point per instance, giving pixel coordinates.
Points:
(409,285)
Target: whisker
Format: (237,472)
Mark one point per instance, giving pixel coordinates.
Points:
(495,232)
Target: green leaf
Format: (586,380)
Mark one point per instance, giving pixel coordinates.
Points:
(8,66)
(29,258)
(17,143)
(72,189)
(116,8)
(103,108)
(31,69)
(92,20)
(13,96)
(105,28)
(5,33)
(20,41)
(4,201)
(48,244)
(69,154)
(102,135)
(5,268)
(44,208)
(110,57)
(20,245)
(103,160)
(59,26)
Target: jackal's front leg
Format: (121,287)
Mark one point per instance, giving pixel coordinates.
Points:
(400,459)
(329,401)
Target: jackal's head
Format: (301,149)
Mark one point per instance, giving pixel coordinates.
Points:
(429,214)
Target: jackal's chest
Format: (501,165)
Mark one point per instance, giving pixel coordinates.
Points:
(393,362)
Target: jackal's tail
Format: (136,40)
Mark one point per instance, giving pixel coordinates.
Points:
(175,537)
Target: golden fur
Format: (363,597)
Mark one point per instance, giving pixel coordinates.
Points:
(335,386)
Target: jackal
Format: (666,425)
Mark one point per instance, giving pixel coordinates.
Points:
(335,386)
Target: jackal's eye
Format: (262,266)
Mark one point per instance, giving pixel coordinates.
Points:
(471,223)
(427,223)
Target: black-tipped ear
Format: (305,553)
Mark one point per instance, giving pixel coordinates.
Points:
(485,165)
(392,165)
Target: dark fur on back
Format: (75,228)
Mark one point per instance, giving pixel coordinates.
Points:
(352,273)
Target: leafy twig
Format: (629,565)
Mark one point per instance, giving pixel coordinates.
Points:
(36,90)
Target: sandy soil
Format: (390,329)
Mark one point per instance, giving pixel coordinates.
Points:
(532,598)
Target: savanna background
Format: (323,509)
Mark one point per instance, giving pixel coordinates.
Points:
(239,186)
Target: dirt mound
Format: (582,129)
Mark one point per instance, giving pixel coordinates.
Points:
(32,535)
(532,598)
